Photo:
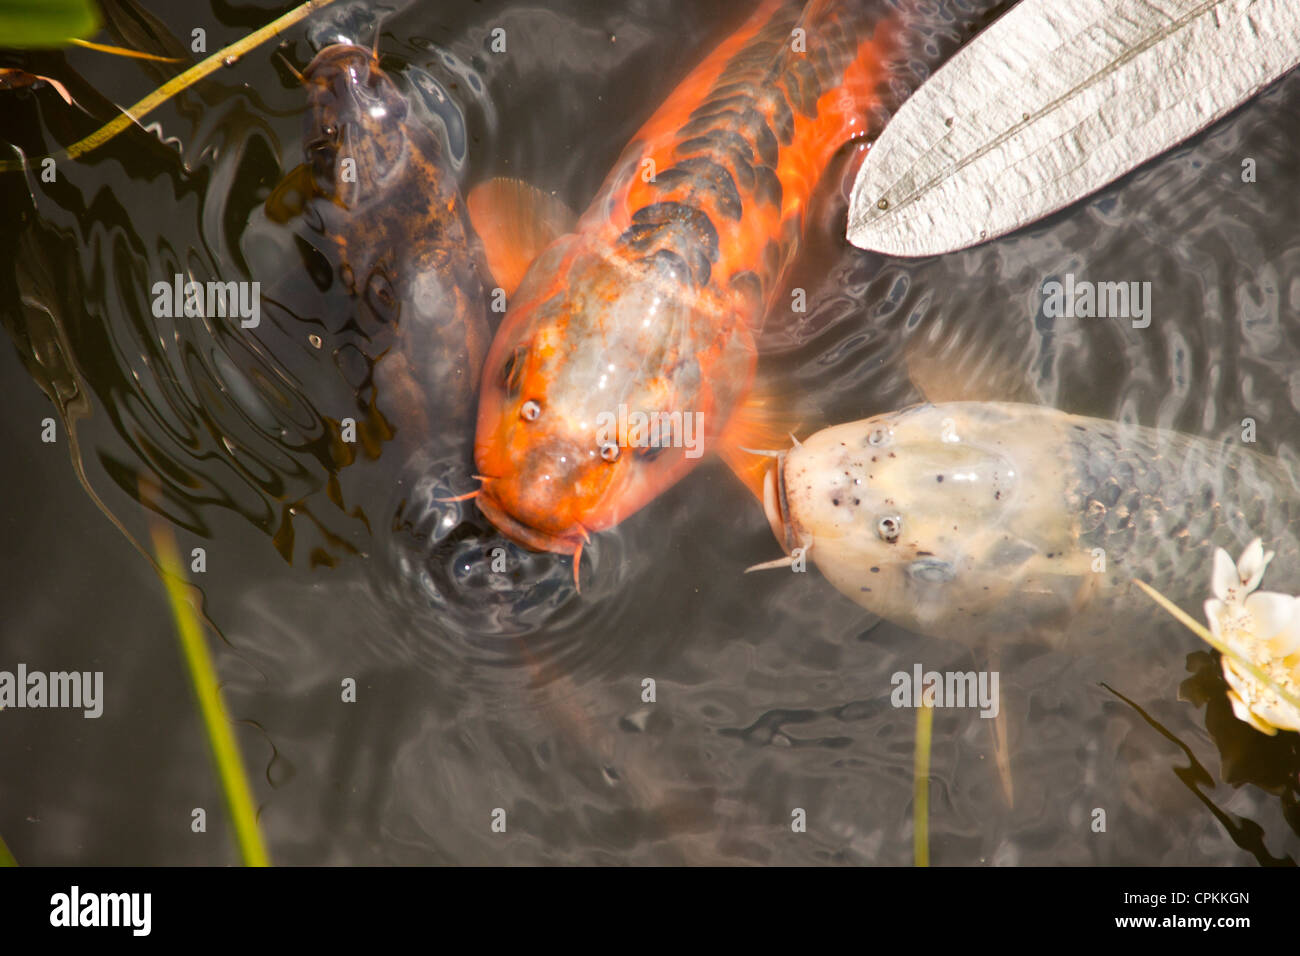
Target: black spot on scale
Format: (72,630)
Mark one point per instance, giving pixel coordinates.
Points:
(719,102)
(782,116)
(802,86)
(704,176)
(767,186)
(939,478)
(727,146)
(718,139)
(683,232)
(669,265)
(746,123)
(766,101)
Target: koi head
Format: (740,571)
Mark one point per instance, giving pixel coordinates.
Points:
(593,400)
(921,515)
(354,133)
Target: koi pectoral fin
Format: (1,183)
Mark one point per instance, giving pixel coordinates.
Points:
(516,221)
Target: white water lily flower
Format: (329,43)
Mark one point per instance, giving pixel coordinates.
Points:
(1264,628)
(1231,583)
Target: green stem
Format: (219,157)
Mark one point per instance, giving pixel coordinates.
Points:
(6,858)
(225,749)
(132,115)
(921,787)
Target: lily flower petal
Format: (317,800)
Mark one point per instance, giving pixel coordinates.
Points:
(1277,714)
(1244,714)
(1224,581)
(1277,621)
(1251,566)
(1239,682)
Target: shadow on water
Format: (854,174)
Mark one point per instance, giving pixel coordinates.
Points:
(483,680)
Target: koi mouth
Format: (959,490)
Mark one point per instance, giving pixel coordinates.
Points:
(777,508)
(775,504)
(530,537)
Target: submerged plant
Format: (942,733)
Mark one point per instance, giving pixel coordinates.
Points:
(216,721)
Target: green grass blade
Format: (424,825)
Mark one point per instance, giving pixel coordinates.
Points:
(921,787)
(225,750)
(6,858)
(135,113)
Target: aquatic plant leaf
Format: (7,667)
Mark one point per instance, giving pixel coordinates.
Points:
(42,24)
(123,51)
(1051,103)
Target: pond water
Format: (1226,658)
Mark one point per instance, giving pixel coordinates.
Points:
(479,690)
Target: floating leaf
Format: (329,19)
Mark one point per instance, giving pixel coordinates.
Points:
(1054,101)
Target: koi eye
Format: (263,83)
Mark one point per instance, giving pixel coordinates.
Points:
(609,451)
(879,436)
(329,130)
(530,411)
(889,528)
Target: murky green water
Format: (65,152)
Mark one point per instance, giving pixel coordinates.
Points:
(480,690)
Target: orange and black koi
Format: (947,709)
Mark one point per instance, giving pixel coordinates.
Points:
(651,305)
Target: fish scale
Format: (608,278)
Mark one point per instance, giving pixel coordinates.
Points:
(732,141)
(1158,503)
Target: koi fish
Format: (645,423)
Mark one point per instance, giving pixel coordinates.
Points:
(379,200)
(1001,518)
(651,306)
